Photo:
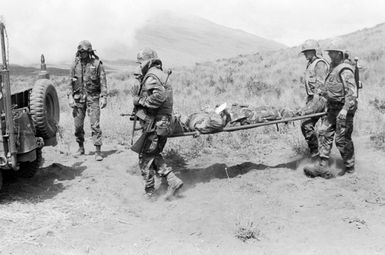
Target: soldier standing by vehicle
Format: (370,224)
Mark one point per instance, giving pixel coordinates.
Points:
(87,92)
(341,94)
(155,101)
(315,74)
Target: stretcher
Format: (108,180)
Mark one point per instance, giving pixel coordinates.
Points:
(250,126)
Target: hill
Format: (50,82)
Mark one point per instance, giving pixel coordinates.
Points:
(110,66)
(184,40)
(19,70)
(179,41)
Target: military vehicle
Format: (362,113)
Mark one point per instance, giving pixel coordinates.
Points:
(28,119)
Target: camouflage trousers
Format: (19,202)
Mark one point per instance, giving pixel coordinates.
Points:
(315,105)
(91,106)
(342,129)
(151,162)
(310,133)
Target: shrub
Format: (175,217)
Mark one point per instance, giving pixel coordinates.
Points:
(247,231)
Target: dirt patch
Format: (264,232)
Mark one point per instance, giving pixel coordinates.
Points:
(230,204)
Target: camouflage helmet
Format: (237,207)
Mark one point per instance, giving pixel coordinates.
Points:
(310,45)
(146,54)
(85,45)
(336,45)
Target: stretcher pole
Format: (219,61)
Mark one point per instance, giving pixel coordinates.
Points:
(268,123)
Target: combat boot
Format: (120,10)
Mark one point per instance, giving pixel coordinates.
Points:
(163,186)
(81,150)
(149,192)
(98,153)
(174,185)
(349,170)
(319,170)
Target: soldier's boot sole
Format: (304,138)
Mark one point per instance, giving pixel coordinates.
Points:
(318,171)
(310,171)
(327,175)
(98,154)
(98,157)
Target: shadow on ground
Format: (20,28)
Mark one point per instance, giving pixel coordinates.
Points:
(222,171)
(105,154)
(191,176)
(44,185)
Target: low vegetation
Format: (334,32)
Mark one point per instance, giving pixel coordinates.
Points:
(246,232)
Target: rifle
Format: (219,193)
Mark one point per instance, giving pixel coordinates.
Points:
(133,116)
(357,68)
(139,144)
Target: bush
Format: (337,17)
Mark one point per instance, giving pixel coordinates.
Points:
(247,231)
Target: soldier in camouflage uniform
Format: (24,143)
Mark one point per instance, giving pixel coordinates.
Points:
(341,94)
(87,92)
(315,74)
(156,100)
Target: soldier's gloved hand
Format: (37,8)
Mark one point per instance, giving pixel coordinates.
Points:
(196,134)
(71,101)
(103,102)
(136,100)
(300,112)
(342,114)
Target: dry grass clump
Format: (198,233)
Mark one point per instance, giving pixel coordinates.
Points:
(247,231)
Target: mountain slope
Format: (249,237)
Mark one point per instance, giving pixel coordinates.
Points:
(188,39)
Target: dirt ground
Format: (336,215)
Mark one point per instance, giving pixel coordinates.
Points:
(230,204)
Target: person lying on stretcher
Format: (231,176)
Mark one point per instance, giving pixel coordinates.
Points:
(211,121)
(207,121)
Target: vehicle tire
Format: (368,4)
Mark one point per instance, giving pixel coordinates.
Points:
(29,168)
(45,109)
(1,179)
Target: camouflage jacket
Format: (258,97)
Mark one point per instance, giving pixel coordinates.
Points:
(156,95)
(88,78)
(341,86)
(315,74)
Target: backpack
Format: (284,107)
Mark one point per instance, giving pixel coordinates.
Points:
(356,70)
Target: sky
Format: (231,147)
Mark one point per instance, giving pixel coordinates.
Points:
(55,27)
